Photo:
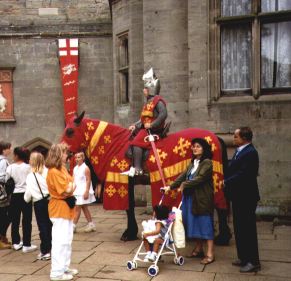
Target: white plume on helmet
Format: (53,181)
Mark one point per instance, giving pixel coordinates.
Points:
(151,82)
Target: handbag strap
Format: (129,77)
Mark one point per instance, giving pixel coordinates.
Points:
(38,185)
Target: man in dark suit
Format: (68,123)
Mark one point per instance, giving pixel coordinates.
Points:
(241,188)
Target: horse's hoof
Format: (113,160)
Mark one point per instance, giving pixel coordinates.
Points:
(125,238)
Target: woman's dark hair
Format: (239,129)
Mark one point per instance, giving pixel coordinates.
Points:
(207,153)
(22,153)
(4,145)
(162,212)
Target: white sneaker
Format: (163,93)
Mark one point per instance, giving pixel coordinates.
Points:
(146,258)
(17,247)
(44,257)
(74,228)
(152,256)
(72,271)
(90,227)
(62,277)
(28,249)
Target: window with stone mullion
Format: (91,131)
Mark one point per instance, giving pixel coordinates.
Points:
(238,20)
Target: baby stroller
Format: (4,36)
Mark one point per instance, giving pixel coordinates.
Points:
(167,248)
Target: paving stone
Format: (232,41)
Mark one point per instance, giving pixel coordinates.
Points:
(118,247)
(280,269)
(35,278)
(247,277)
(9,277)
(275,244)
(117,272)
(282,229)
(101,255)
(173,275)
(84,245)
(107,258)
(21,268)
(275,255)
(96,279)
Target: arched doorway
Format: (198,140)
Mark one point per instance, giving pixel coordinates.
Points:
(39,145)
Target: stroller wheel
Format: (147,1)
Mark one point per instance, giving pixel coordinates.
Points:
(131,265)
(153,270)
(180,260)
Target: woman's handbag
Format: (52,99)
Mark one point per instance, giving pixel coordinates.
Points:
(178,230)
(71,201)
(4,198)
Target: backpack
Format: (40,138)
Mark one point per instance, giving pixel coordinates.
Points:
(4,198)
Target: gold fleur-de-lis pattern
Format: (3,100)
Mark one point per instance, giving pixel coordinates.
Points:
(107,139)
(94,160)
(113,162)
(122,191)
(162,156)
(211,143)
(122,165)
(182,147)
(110,190)
(90,126)
(101,149)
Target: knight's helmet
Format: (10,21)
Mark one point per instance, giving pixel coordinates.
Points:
(151,82)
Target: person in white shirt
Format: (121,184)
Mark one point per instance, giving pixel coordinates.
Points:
(5,150)
(19,171)
(37,192)
(83,191)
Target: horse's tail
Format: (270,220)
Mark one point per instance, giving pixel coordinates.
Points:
(224,157)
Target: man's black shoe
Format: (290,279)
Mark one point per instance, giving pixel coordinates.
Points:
(249,267)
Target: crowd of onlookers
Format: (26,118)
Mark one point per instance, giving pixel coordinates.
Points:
(57,198)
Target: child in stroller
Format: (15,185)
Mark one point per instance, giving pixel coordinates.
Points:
(157,240)
(155,231)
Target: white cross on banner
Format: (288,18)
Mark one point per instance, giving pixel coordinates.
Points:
(68,56)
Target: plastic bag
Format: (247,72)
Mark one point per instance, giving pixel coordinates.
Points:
(178,230)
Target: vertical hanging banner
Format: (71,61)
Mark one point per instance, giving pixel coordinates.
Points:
(68,56)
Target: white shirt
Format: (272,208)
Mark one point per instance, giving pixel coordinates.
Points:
(239,149)
(19,173)
(3,166)
(32,191)
(195,166)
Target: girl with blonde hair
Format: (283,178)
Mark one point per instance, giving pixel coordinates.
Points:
(37,192)
(60,186)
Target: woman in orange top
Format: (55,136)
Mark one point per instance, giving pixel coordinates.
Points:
(60,186)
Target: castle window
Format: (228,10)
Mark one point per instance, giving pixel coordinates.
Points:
(250,42)
(123,69)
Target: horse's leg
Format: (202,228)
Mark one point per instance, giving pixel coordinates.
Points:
(131,232)
(224,234)
(222,239)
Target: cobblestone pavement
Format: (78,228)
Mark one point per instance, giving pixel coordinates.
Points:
(102,256)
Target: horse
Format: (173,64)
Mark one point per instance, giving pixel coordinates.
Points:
(106,144)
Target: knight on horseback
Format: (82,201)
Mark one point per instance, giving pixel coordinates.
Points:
(152,118)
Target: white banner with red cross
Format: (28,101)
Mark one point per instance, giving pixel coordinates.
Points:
(69,58)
